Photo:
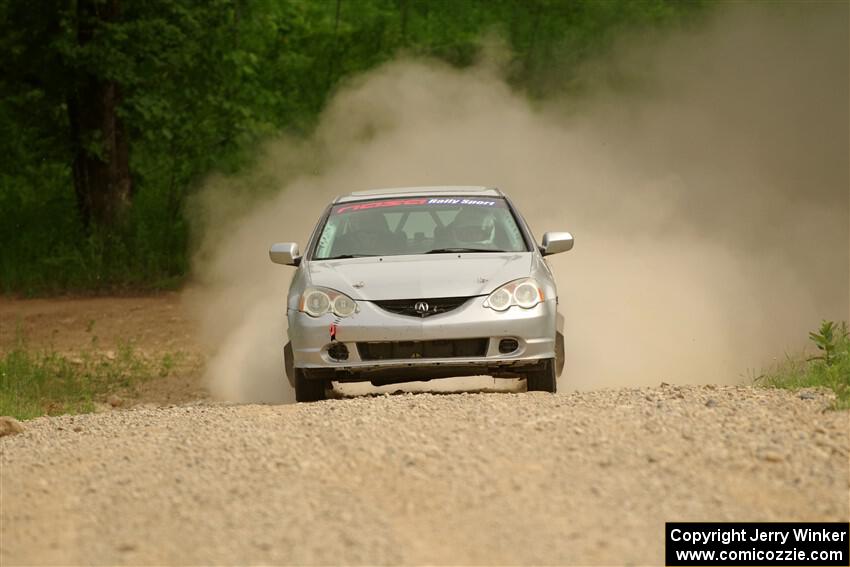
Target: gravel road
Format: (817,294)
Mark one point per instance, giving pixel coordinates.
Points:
(575,478)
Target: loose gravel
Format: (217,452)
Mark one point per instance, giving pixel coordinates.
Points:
(576,478)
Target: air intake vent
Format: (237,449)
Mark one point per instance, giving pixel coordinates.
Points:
(400,350)
(421,307)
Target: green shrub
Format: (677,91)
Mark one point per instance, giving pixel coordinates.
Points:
(829,369)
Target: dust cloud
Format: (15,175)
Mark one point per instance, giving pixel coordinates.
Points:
(710,200)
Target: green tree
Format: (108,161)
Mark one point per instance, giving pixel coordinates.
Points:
(113,111)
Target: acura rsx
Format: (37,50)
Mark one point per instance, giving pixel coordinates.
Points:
(420,283)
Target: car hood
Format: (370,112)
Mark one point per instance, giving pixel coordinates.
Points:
(408,277)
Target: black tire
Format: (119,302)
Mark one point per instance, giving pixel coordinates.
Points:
(543,379)
(289,364)
(559,354)
(307,390)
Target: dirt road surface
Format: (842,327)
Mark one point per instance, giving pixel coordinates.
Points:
(573,478)
(152,323)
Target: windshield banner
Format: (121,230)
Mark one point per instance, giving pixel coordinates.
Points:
(421,201)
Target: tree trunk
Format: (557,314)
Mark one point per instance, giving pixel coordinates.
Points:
(102,180)
(332,58)
(404,16)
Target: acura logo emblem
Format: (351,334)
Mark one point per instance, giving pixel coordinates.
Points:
(421,307)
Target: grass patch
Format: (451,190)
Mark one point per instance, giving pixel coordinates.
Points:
(46,382)
(829,369)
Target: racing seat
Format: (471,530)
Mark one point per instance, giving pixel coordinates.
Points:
(368,233)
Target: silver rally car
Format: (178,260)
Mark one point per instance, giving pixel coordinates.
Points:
(421,283)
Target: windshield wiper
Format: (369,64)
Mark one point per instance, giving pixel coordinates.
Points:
(347,256)
(460,249)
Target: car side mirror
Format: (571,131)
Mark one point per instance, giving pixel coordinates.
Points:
(556,242)
(285,253)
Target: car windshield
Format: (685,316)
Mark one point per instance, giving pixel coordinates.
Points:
(419,225)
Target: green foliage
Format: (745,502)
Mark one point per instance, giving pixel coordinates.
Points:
(34,383)
(828,339)
(203,82)
(829,370)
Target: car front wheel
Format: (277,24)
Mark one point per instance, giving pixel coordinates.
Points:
(542,379)
(289,364)
(307,390)
(559,354)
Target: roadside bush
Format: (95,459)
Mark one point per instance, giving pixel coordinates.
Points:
(830,368)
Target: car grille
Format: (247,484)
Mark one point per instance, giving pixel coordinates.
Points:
(426,307)
(447,348)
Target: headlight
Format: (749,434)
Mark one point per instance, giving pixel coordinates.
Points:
(344,305)
(525,293)
(500,299)
(315,302)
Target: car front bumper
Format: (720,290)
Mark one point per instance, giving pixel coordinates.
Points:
(533,329)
